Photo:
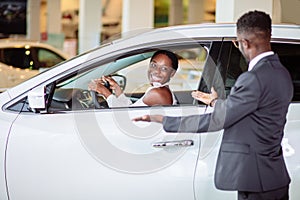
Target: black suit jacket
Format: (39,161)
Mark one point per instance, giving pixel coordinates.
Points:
(253,118)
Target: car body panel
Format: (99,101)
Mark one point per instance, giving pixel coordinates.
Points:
(73,154)
(5,125)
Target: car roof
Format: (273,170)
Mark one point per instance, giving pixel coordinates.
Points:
(208,30)
(287,31)
(140,38)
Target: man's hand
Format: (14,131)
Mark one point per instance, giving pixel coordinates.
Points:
(149,118)
(206,98)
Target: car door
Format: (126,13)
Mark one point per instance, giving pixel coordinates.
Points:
(98,155)
(74,151)
(221,73)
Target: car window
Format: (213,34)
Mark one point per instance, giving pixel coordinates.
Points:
(224,65)
(230,64)
(236,66)
(47,58)
(17,57)
(187,76)
(289,55)
(72,93)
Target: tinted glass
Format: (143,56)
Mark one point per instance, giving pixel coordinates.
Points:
(18,57)
(222,69)
(289,55)
(236,65)
(233,63)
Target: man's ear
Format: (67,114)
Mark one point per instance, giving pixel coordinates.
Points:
(245,43)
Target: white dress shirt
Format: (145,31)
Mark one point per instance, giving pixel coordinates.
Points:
(258,58)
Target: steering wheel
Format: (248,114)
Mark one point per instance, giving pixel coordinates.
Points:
(120,79)
(96,103)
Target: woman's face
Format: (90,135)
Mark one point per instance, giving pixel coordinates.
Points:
(160,69)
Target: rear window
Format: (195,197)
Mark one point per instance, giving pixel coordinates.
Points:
(289,55)
(47,58)
(17,57)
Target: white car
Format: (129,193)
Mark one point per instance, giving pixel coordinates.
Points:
(23,59)
(59,141)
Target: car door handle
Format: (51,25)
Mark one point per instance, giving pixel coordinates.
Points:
(179,143)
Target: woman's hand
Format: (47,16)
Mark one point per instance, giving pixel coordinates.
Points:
(113,85)
(207,98)
(97,85)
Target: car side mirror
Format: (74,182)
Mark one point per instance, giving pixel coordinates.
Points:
(120,79)
(37,98)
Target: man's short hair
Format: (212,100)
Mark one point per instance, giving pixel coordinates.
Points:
(255,21)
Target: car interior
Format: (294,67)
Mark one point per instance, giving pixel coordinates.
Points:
(131,74)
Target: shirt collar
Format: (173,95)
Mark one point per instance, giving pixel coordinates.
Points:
(255,60)
(157,84)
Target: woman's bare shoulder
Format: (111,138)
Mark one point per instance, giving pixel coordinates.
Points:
(158,96)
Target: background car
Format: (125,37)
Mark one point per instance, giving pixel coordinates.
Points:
(60,141)
(21,59)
